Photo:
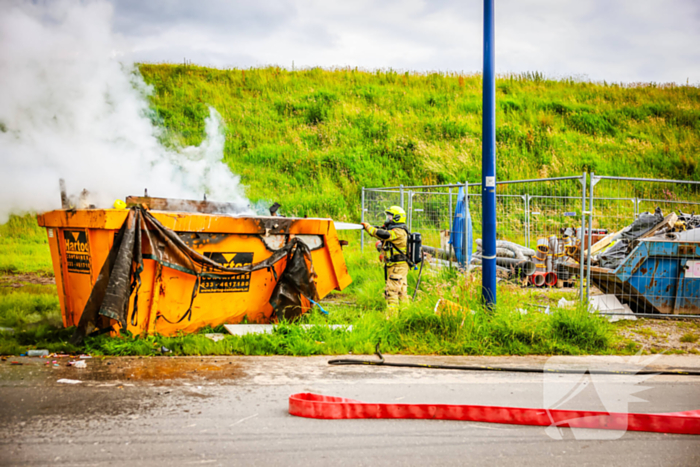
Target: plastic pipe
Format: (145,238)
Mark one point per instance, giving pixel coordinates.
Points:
(527,268)
(524,265)
(553,253)
(537,279)
(507,253)
(563,272)
(550,279)
(525,251)
(488,159)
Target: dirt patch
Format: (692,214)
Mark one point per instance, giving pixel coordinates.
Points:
(681,336)
(21,280)
(338,298)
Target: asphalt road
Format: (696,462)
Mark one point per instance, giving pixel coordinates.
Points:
(233,411)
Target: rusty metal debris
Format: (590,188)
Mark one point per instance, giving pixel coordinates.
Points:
(652,265)
(180,205)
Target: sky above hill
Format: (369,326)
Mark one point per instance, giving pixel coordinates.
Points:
(612,40)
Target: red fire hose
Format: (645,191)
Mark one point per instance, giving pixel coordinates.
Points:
(328,407)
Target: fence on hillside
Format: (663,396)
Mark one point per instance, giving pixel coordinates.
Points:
(528,210)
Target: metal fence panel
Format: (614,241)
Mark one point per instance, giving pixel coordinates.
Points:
(660,271)
(666,275)
(527,211)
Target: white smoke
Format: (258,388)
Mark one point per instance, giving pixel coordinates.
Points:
(73,107)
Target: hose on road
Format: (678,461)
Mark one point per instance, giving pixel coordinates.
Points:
(382,362)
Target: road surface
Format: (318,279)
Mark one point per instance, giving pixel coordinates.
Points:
(233,411)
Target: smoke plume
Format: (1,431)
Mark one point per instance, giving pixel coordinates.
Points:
(73,106)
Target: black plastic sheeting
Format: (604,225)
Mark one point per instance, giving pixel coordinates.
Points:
(617,253)
(691,221)
(142,236)
(295,286)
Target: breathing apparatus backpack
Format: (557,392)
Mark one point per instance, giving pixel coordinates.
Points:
(414,251)
(414,248)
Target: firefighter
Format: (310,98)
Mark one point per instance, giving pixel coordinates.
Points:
(394,243)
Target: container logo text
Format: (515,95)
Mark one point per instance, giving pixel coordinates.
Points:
(77,251)
(233,283)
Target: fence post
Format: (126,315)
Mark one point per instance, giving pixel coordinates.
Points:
(402,203)
(583,227)
(488,160)
(590,239)
(451,218)
(464,234)
(362,219)
(451,225)
(410,210)
(527,220)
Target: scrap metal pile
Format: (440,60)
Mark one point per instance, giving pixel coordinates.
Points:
(620,261)
(611,251)
(652,265)
(542,267)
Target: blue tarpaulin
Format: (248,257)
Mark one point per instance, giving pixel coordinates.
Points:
(462,220)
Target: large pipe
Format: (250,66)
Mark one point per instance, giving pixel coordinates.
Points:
(507,253)
(523,250)
(537,279)
(553,254)
(540,257)
(439,253)
(550,279)
(514,247)
(562,272)
(488,159)
(526,267)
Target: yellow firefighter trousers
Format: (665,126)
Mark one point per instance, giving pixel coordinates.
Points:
(396,286)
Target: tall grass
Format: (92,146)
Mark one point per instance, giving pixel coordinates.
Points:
(24,247)
(468,330)
(33,317)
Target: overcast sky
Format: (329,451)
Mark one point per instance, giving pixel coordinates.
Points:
(613,40)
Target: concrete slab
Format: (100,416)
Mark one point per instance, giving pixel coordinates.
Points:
(244,329)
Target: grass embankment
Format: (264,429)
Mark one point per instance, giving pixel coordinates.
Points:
(318,136)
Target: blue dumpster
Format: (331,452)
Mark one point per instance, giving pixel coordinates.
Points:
(659,276)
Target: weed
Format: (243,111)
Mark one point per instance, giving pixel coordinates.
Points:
(689,337)
(647,332)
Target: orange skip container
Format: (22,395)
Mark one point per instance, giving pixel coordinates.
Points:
(80,241)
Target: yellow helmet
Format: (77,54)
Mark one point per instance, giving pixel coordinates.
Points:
(396,215)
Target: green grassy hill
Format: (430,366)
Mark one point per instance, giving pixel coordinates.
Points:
(311,139)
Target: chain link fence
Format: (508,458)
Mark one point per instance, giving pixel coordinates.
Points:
(559,218)
(646,250)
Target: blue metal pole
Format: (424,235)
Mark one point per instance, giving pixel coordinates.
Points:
(488,160)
